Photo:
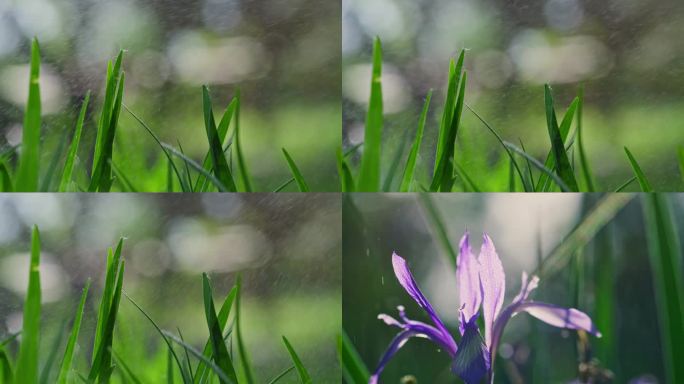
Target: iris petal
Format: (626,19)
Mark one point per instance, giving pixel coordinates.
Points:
(560,317)
(492,284)
(472,360)
(467,275)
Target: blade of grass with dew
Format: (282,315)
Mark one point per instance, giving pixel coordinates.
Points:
(223,314)
(564,129)
(220,352)
(242,351)
(369,175)
(410,167)
(394,164)
(604,283)
(353,368)
(641,177)
(164,335)
(102,175)
(65,367)
(344,172)
(304,377)
(242,166)
(434,219)
(6,178)
(164,149)
(584,161)
(299,178)
(442,178)
(218,159)
(281,375)
(29,160)
(113,265)
(538,165)
(562,164)
(601,214)
(73,148)
(527,188)
(666,268)
(27,364)
(219,372)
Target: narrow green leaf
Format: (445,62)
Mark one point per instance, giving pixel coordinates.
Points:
(680,153)
(604,283)
(454,78)
(224,312)
(220,165)
(284,185)
(29,161)
(6,178)
(220,352)
(111,82)
(304,377)
(641,177)
(564,129)
(584,162)
(5,366)
(625,184)
(65,368)
(281,375)
(126,369)
(299,178)
(242,351)
(27,364)
(563,168)
(666,268)
(369,176)
(242,166)
(73,148)
(222,132)
(538,165)
(353,368)
(346,178)
(410,167)
(102,174)
(219,372)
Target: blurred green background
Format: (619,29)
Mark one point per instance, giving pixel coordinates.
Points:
(283,55)
(614,269)
(287,248)
(627,53)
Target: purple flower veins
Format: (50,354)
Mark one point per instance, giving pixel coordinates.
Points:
(481,283)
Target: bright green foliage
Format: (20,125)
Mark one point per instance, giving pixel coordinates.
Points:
(304,377)
(73,148)
(73,338)
(369,176)
(27,364)
(353,368)
(242,351)
(413,155)
(562,163)
(641,177)
(27,175)
(218,159)
(219,351)
(299,178)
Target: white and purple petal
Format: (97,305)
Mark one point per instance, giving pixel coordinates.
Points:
(468,280)
(569,318)
(399,340)
(492,284)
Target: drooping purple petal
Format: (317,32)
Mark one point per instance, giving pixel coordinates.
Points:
(399,340)
(407,281)
(467,275)
(526,287)
(472,360)
(492,284)
(560,317)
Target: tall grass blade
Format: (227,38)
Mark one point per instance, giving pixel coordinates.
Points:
(434,219)
(666,268)
(218,159)
(113,74)
(447,115)
(222,132)
(73,148)
(242,351)
(394,165)
(564,129)
(299,178)
(65,368)
(584,161)
(353,368)
(369,175)
(304,377)
(562,164)
(242,166)
(538,165)
(641,177)
(625,184)
(281,375)
(27,364)
(410,167)
(29,161)
(604,283)
(6,178)
(344,172)
(218,346)
(5,366)
(223,314)
(219,372)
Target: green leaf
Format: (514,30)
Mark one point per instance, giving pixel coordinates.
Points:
(5,366)
(27,364)
(281,375)
(219,372)
(410,167)
(666,268)
(584,162)
(353,369)
(242,352)
(301,183)
(369,176)
(222,132)
(680,153)
(538,165)
(224,312)
(564,129)
(220,352)
(6,178)
(641,177)
(111,82)
(304,377)
(242,166)
(218,159)
(563,168)
(344,172)
(73,148)
(29,161)
(604,283)
(65,368)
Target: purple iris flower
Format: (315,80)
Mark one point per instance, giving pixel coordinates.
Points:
(481,283)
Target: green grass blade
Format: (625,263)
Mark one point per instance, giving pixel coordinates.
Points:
(641,177)
(410,167)
(242,166)
(27,364)
(538,165)
(224,312)
(299,178)
(29,161)
(584,161)
(564,129)
(220,353)
(434,219)
(113,74)
(666,268)
(625,184)
(353,368)
(680,153)
(219,372)
(281,375)
(126,369)
(73,338)
(170,150)
(222,132)
(448,112)
(468,181)
(369,176)
(284,185)
(6,178)
(562,164)
(126,184)
(73,148)
(604,283)
(218,159)
(113,264)
(242,351)
(344,172)
(304,377)
(5,366)
(394,164)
